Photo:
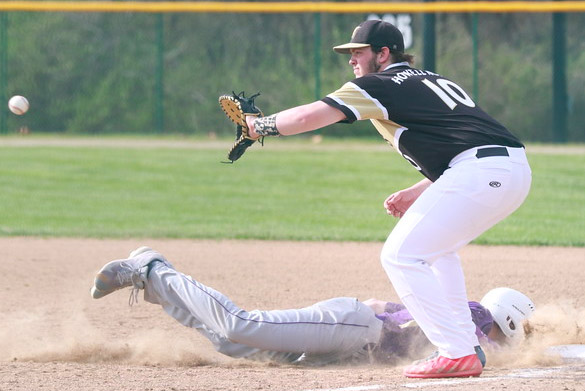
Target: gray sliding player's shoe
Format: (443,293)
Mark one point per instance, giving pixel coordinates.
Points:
(123,273)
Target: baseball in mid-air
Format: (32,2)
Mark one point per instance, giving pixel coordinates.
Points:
(18,104)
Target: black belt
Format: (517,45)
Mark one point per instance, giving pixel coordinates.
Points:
(491,151)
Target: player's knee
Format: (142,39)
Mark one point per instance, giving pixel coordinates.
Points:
(241,331)
(389,256)
(232,335)
(388,259)
(393,259)
(397,266)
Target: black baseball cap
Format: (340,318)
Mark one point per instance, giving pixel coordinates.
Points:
(374,33)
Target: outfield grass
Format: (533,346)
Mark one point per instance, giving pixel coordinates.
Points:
(333,192)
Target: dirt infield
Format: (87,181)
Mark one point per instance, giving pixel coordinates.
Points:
(53,336)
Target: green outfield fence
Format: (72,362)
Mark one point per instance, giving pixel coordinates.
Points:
(158,67)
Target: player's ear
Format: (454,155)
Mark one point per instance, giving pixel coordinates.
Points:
(384,54)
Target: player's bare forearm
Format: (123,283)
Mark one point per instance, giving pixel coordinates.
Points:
(421,186)
(301,119)
(307,118)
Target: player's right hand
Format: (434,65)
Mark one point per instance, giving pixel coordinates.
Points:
(398,203)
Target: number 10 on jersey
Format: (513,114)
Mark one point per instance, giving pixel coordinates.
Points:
(449,92)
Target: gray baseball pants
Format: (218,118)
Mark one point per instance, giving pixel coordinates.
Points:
(324,332)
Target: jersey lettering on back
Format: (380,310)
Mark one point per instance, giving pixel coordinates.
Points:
(427,118)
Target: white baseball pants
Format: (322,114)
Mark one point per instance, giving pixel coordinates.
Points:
(325,332)
(420,254)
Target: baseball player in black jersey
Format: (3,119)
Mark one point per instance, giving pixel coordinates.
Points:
(476,174)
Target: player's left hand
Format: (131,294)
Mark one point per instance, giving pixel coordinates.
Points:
(251,130)
(239,110)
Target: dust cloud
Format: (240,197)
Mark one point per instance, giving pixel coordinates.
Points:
(551,325)
(34,337)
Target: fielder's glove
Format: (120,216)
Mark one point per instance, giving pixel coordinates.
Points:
(237,107)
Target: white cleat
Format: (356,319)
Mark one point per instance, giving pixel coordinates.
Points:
(123,273)
(139,251)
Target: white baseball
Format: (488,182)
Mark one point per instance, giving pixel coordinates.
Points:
(18,104)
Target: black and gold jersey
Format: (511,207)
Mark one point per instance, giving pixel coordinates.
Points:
(427,118)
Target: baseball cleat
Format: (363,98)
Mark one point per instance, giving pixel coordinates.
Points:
(445,367)
(123,273)
(478,351)
(430,357)
(139,251)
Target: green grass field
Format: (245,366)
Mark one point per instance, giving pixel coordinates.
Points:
(333,191)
